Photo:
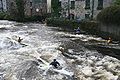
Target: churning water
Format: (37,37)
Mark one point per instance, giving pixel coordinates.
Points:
(30,58)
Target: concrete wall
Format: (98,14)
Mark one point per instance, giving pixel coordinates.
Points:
(114,31)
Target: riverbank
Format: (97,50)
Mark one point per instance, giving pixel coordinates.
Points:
(91,27)
(43,44)
(33,18)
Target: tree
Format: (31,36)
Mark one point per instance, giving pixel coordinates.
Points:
(20,10)
(110,15)
(117,2)
(55,7)
(13,11)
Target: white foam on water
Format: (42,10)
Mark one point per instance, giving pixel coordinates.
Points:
(106,68)
(70,50)
(84,37)
(87,71)
(46,51)
(9,44)
(25,26)
(63,71)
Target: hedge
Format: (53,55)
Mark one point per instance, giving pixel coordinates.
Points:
(89,26)
(4,16)
(62,23)
(110,15)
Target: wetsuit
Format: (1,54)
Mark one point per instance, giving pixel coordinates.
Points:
(55,64)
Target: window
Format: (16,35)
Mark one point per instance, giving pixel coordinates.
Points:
(79,0)
(59,7)
(44,1)
(72,4)
(30,4)
(100,4)
(37,1)
(87,16)
(59,4)
(87,4)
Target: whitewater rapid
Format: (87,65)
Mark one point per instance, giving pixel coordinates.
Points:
(40,45)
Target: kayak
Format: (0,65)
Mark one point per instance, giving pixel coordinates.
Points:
(79,32)
(46,67)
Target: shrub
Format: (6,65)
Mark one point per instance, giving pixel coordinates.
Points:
(62,23)
(110,15)
(20,10)
(89,26)
(34,18)
(117,2)
(4,16)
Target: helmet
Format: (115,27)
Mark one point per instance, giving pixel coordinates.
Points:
(54,60)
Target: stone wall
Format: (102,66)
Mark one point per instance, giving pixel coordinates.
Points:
(30,10)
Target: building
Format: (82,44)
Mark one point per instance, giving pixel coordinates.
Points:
(68,8)
(32,7)
(83,9)
(86,9)
(3,5)
(36,7)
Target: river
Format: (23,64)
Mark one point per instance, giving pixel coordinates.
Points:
(82,57)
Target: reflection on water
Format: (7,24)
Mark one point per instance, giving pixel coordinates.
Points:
(30,59)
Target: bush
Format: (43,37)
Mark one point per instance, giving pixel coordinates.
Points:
(4,16)
(117,2)
(70,24)
(110,15)
(34,18)
(89,26)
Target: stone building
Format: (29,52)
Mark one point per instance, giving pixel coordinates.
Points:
(83,9)
(68,7)
(3,5)
(36,7)
(32,7)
